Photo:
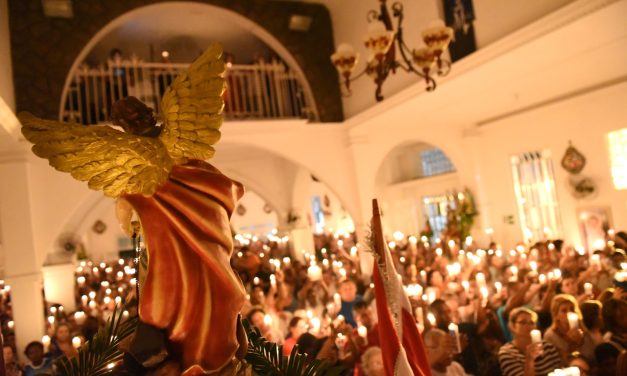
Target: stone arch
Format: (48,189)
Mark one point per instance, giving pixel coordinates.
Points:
(47,48)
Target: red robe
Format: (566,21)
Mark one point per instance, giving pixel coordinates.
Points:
(190,288)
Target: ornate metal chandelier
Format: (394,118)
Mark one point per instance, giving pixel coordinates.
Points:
(383,42)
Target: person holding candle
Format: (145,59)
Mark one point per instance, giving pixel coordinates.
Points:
(38,364)
(297,327)
(62,342)
(349,297)
(522,356)
(615,318)
(365,319)
(566,332)
(440,350)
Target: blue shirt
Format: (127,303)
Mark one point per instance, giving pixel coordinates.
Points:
(347,310)
(46,365)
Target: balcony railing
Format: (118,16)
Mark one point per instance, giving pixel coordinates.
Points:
(254,92)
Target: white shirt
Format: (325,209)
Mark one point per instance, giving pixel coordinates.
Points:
(454,369)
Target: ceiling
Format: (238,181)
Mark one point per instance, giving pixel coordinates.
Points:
(160,26)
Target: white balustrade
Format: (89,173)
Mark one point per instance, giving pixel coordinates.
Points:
(253,92)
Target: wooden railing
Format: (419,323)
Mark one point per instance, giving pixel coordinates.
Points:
(258,91)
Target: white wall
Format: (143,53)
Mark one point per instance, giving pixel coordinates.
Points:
(494,20)
(255,220)
(585,120)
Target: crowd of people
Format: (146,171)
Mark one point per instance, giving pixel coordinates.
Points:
(530,310)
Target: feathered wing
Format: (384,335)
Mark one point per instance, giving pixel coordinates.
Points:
(192,108)
(109,160)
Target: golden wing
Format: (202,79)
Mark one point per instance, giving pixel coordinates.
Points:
(192,108)
(109,160)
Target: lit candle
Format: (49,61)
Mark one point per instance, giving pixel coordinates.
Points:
(92,304)
(542,279)
(125,314)
(92,294)
(51,320)
(431,318)
(272,280)
(480,278)
(107,300)
(498,286)
(76,342)
(79,317)
(573,320)
(315,324)
(362,331)
(80,280)
(557,274)
(337,299)
(286,260)
(314,273)
(536,336)
(121,262)
(267,320)
(46,342)
(588,288)
(595,259)
(53,310)
(353,251)
(84,299)
(454,331)
(533,265)
(11,324)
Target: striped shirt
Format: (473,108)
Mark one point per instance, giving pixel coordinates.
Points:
(512,360)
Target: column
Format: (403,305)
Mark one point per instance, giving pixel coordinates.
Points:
(21,265)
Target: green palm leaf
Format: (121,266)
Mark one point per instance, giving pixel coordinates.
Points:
(94,357)
(267,358)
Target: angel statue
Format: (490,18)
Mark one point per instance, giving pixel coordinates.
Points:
(183,203)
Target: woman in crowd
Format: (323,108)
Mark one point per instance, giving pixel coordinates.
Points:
(522,357)
(567,334)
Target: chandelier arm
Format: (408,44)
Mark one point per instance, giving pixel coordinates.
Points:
(353,78)
(410,67)
(372,15)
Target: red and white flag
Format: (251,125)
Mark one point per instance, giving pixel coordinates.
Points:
(401,343)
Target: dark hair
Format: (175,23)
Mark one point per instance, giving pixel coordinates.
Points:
(360,305)
(591,310)
(294,321)
(252,311)
(611,308)
(33,344)
(437,305)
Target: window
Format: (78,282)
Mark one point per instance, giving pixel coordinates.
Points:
(435,162)
(534,185)
(436,208)
(618,157)
(318,214)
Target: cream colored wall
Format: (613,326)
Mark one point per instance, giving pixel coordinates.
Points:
(402,205)
(585,120)
(6,72)
(494,20)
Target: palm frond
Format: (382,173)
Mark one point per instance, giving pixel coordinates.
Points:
(95,356)
(267,358)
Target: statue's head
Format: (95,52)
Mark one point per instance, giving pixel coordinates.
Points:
(135,117)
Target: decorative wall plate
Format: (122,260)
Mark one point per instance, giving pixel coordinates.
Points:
(573,161)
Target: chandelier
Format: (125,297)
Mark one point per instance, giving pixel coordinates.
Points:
(383,43)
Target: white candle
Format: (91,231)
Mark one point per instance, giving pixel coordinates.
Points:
(595,260)
(125,314)
(314,273)
(536,336)
(79,317)
(80,280)
(46,342)
(498,286)
(542,279)
(267,320)
(272,280)
(51,320)
(362,331)
(11,324)
(431,318)
(573,320)
(454,331)
(286,260)
(588,288)
(480,278)
(76,342)
(337,299)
